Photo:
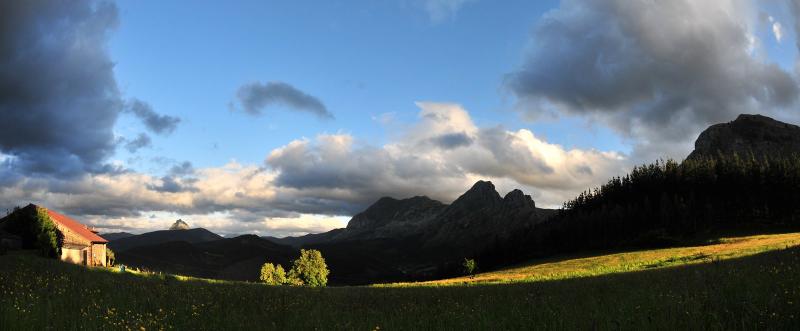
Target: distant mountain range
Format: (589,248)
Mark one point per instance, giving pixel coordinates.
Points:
(393,239)
(408,239)
(158,237)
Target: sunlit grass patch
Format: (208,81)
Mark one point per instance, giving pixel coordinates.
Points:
(572,267)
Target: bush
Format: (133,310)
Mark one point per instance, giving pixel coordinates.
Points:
(469,266)
(273,274)
(310,269)
(110,258)
(49,238)
(36,229)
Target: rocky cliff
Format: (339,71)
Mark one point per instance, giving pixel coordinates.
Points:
(761,136)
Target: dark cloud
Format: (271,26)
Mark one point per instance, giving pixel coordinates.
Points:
(794,8)
(452,140)
(159,124)
(656,71)
(170,184)
(58,96)
(255,97)
(182,169)
(140,142)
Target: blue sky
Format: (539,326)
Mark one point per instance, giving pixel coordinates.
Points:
(362,59)
(288,117)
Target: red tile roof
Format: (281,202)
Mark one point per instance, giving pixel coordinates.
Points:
(76,227)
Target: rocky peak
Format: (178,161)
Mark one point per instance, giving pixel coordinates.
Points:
(482,195)
(518,200)
(389,210)
(179,225)
(757,134)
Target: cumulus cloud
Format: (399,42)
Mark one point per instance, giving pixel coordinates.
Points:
(414,166)
(657,72)
(440,10)
(58,96)
(159,124)
(320,182)
(140,142)
(255,97)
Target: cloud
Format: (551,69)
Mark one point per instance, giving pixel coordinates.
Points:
(172,184)
(58,96)
(441,10)
(658,72)
(321,181)
(140,142)
(452,140)
(255,97)
(182,169)
(159,124)
(777,29)
(412,165)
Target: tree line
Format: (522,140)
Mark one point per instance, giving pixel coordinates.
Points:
(665,203)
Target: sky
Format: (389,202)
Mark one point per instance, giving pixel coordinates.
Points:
(288,117)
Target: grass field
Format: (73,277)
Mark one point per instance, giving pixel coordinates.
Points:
(746,291)
(601,264)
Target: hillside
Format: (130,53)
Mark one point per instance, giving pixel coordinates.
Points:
(757,291)
(197,235)
(588,264)
(116,235)
(238,258)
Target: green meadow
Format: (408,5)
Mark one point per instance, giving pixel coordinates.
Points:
(751,283)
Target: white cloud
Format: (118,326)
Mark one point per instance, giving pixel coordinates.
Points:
(777,31)
(313,185)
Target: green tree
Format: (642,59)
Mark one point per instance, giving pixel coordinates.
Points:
(469,267)
(273,274)
(309,269)
(110,259)
(49,239)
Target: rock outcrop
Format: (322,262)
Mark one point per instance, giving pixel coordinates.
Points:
(179,225)
(756,135)
(388,211)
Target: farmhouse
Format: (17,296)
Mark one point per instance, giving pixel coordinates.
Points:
(80,244)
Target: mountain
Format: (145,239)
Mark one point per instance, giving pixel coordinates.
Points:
(480,217)
(238,258)
(116,235)
(179,225)
(416,238)
(757,134)
(392,240)
(197,235)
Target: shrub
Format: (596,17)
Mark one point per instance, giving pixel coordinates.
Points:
(110,258)
(36,229)
(469,267)
(310,269)
(49,238)
(273,274)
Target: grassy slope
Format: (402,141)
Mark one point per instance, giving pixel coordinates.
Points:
(758,291)
(574,267)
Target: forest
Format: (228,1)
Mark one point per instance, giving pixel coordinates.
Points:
(666,204)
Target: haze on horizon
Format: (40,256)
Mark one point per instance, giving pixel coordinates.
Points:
(284,118)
